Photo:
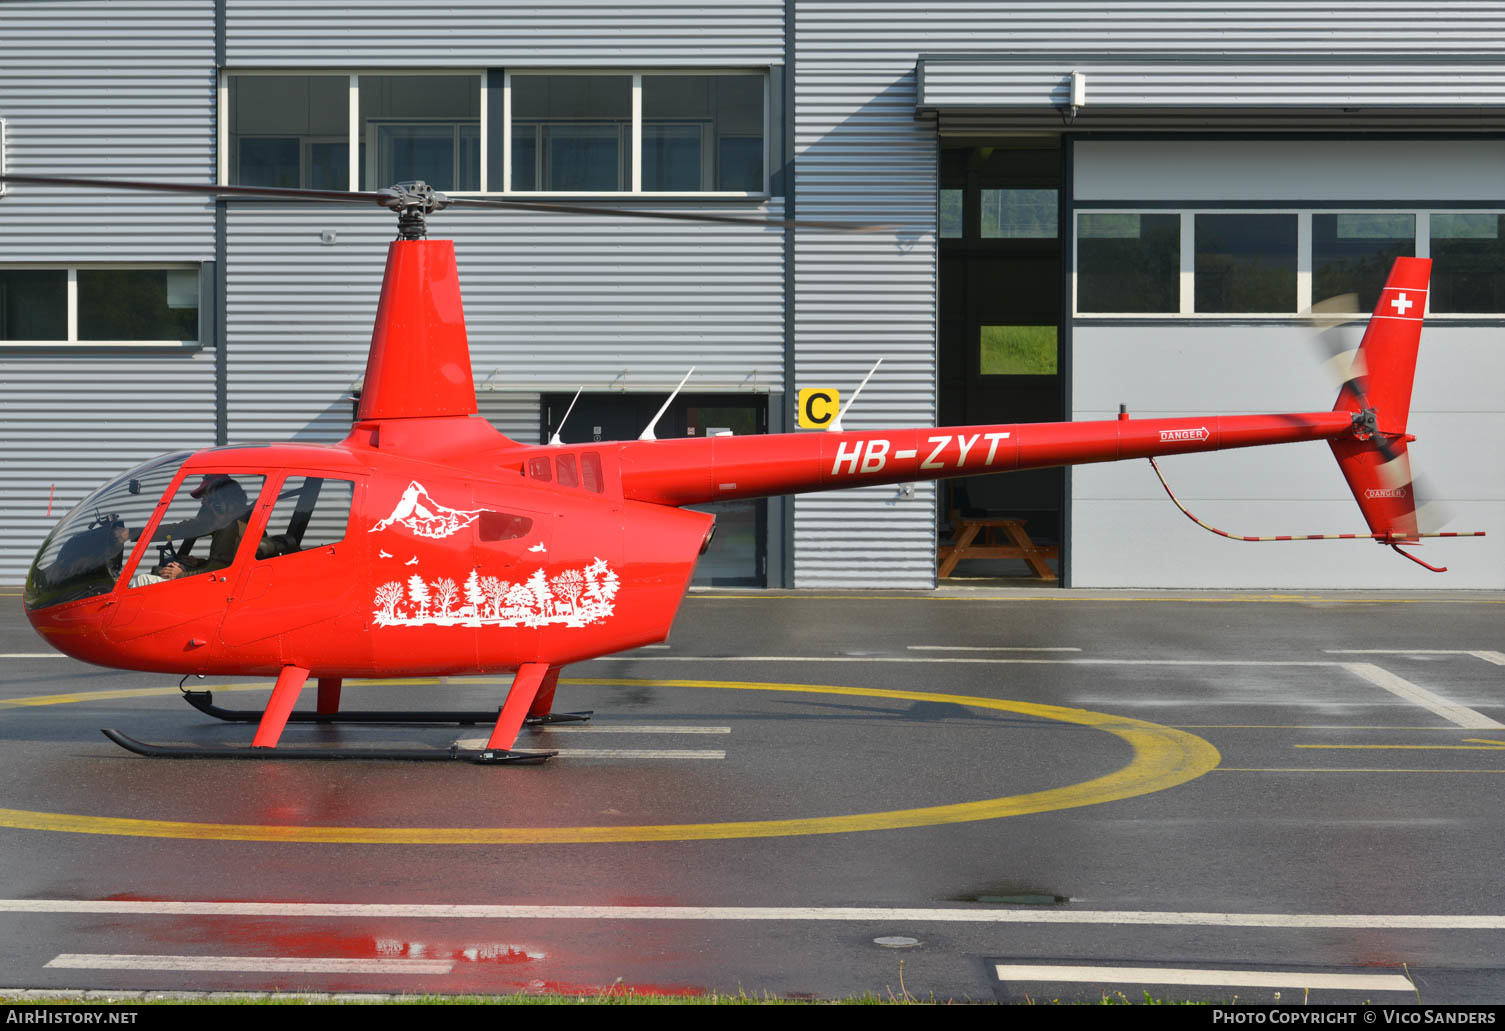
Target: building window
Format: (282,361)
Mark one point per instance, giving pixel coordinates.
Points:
(1017,350)
(1019,214)
(586,132)
(1352,255)
(124,304)
(1128,262)
(1245,263)
(290,131)
(950,214)
(577,133)
(1255,263)
(423,127)
(702,133)
(1468,263)
(33,304)
(571,132)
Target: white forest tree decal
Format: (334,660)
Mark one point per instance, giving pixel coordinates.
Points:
(573,597)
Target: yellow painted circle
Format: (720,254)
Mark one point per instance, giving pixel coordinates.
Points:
(1162,758)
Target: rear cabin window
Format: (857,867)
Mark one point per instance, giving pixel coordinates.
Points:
(503,526)
(590,471)
(540,469)
(311,512)
(569,473)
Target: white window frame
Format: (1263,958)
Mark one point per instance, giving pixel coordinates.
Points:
(636,175)
(73,270)
(636,172)
(1421,215)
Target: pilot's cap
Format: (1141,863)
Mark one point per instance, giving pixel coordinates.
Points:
(210,482)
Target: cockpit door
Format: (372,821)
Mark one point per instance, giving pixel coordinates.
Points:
(196,548)
(303,577)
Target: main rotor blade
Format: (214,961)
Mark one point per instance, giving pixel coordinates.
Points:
(371,197)
(203,189)
(677,216)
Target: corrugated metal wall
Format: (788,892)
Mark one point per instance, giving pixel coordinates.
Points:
(490,33)
(122,89)
(1223,81)
(862,155)
(1181,366)
(552,303)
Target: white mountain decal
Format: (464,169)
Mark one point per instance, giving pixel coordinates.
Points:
(424,516)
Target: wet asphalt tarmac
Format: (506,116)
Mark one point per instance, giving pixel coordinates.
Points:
(1329,820)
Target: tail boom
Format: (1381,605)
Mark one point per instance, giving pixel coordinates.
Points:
(696,471)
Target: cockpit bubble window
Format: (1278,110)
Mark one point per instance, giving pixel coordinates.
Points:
(202,528)
(84,554)
(311,512)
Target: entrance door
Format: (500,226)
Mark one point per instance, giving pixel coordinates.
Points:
(738,555)
(1000,321)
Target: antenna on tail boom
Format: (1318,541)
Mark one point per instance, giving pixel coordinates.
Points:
(647,433)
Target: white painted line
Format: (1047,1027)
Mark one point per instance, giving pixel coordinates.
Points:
(32,655)
(250,964)
(591,728)
(1211,978)
(973,915)
(1397,651)
(1019,662)
(1459,715)
(641,753)
(1497,658)
(969,648)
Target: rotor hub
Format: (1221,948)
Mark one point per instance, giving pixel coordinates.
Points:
(413,202)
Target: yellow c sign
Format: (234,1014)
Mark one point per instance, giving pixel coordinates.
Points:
(818,406)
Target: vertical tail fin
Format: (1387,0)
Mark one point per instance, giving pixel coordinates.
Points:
(1374,460)
(419,365)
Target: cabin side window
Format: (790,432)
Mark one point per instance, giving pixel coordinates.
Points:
(202,528)
(311,512)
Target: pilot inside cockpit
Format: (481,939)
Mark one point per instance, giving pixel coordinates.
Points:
(224,511)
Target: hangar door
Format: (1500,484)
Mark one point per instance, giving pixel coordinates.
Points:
(999,325)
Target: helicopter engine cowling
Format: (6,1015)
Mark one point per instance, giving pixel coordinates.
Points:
(640,588)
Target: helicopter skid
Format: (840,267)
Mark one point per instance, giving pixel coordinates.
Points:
(204,702)
(480,756)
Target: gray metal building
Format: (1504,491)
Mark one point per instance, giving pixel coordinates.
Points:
(1096,204)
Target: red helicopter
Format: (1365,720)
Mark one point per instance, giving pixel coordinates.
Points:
(427,543)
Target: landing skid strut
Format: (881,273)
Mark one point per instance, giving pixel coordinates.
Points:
(204,702)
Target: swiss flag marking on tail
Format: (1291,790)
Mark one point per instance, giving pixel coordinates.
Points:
(1401,303)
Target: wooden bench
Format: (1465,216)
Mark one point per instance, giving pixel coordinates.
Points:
(990,545)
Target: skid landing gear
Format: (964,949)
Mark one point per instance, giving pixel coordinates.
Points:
(204,702)
(482,756)
(528,702)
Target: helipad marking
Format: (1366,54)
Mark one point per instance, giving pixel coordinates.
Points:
(822,914)
(1206,977)
(249,964)
(1493,657)
(1162,758)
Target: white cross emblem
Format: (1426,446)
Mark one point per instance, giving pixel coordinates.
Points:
(1401,304)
